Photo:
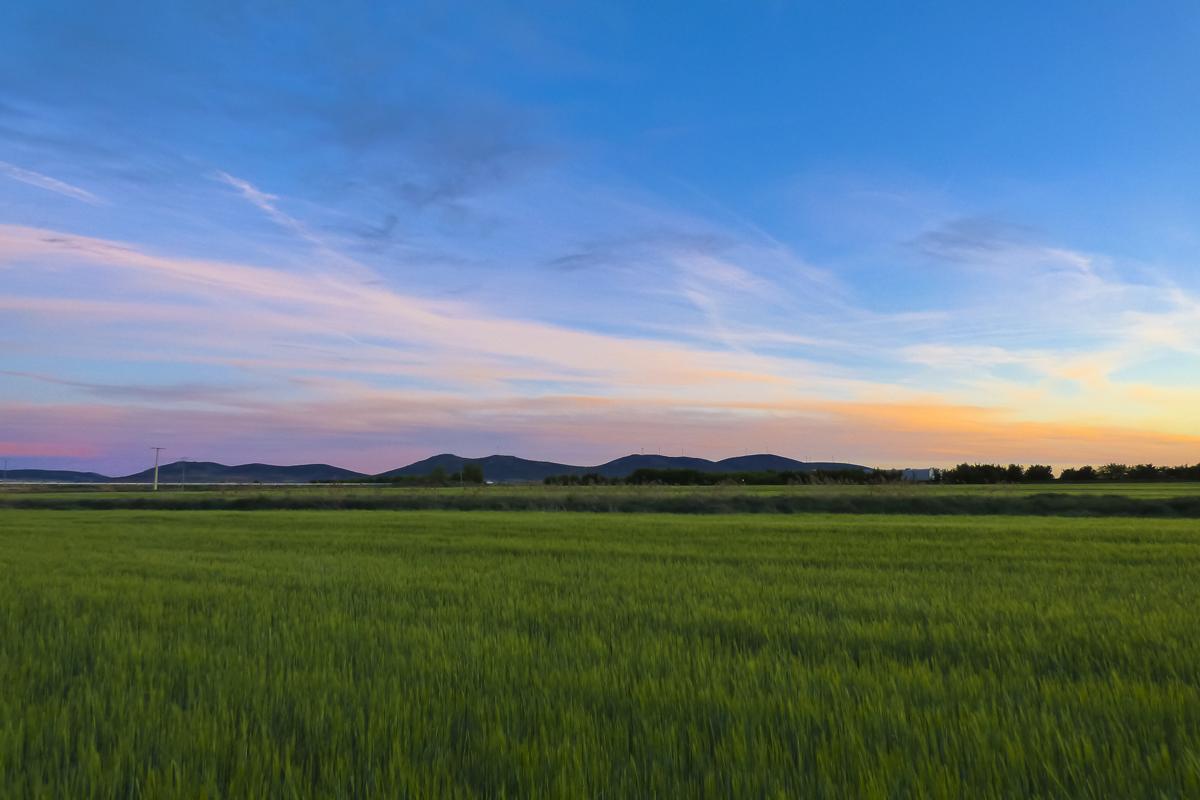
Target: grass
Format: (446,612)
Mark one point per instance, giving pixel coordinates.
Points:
(1134,500)
(300,653)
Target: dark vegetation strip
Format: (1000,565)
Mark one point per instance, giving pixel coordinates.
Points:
(1045,504)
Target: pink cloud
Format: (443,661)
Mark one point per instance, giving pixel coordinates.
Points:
(381,432)
(332,351)
(35,449)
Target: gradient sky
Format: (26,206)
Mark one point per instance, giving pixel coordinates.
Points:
(902,234)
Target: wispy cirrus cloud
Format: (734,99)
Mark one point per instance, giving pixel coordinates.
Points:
(142,393)
(48,183)
(352,359)
(434,332)
(440,226)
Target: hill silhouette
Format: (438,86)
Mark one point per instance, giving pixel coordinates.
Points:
(212,472)
(495,467)
(499,468)
(54,475)
(506,469)
(195,472)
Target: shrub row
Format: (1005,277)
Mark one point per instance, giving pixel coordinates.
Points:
(1046,504)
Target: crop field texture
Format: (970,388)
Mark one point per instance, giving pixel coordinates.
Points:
(492,654)
(1160,500)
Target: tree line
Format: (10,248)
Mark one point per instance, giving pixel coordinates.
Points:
(694,477)
(471,473)
(1137,472)
(960,474)
(994,473)
(1041,473)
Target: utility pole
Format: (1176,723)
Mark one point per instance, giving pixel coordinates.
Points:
(6,470)
(156,450)
(183,477)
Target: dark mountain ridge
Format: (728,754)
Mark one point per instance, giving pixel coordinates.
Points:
(53,476)
(195,472)
(499,468)
(495,468)
(512,469)
(212,472)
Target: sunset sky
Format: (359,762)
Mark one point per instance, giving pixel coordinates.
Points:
(896,234)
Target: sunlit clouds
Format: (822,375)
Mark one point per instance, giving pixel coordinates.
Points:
(370,374)
(572,236)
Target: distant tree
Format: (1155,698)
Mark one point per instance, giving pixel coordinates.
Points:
(692,477)
(1014,473)
(1145,472)
(974,473)
(1039,473)
(1113,472)
(437,476)
(1082,474)
(1182,473)
(472,473)
(672,477)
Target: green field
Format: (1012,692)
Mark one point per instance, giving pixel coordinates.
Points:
(1164,500)
(422,654)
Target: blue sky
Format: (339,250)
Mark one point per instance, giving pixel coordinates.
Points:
(887,233)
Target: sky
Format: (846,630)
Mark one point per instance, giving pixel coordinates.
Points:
(889,233)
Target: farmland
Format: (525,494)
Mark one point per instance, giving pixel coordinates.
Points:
(445,653)
(1097,499)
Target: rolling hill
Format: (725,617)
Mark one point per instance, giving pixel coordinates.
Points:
(499,468)
(195,472)
(495,468)
(53,476)
(212,472)
(511,469)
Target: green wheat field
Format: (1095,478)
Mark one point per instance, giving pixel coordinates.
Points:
(213,653)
